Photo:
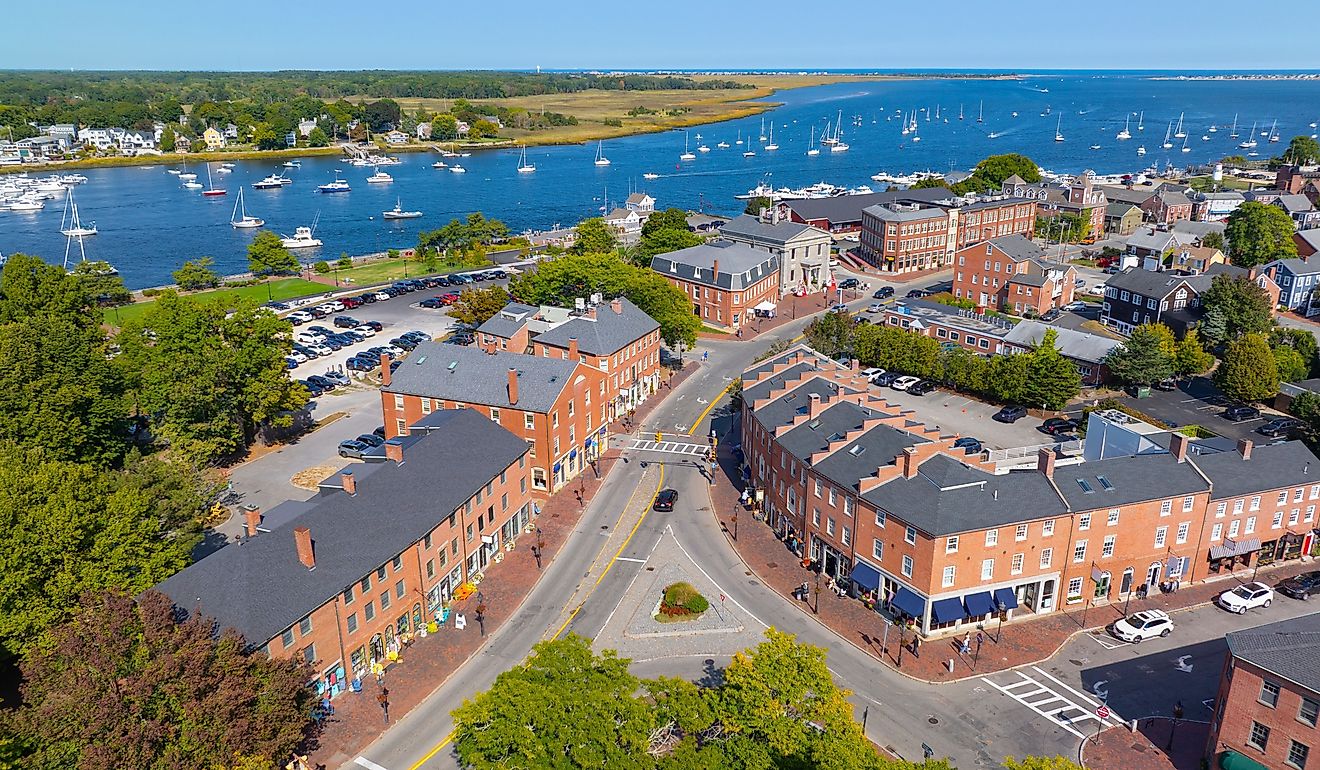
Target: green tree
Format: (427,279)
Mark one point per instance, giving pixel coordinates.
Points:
(1213,240)
(1069,228)
(167,138)
(1301,340)
(1289,364)
(1306,406)
(1190,358)
(129,685)
(663,242)
(1248,371)
(929,182)
(756,205)
(963,370)
(476,306)
(71,528)
(317,137)
(265,138)
(1146,357)
(1040,763)
(990,173)
(209,373)
(1302,151)
(444,128)
(594,237)
(268,256)
(564,707)
(1006,379)
(1259,233)
(196,274)
(831,334)
(483,129)
(101,282)
(344,262)
(1235,305)
(1052,380)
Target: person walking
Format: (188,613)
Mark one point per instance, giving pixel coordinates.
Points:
(916,646)
(384,700)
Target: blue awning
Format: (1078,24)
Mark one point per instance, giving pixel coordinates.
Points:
(865,576)
(909,603)
(947,610)
(979,604)
(1006,599)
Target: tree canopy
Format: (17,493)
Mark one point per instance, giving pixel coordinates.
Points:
(267,255)
(1146,356)
(990,173)
(1302,151)
(196,274)
(594,237)
(831,334)
(1249,371)
(664,231)
(476,306)
(1235,305)
(1052,380)
(1259,233)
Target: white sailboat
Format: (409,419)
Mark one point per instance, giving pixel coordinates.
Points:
(1058,129)
(838,145)
(739,142)
(723,145)
(524,167)
(763,127)
(980,112)
(240,218)
(687,154)
(1167,133)
(1185,148)
(812,149)
(74,228)
(398,213)
(1274,133)
(1125,134)
(1250,141)
(771,146)
(1179,133)
(1141,121)
(1232,132)
(960,112)
(601,160)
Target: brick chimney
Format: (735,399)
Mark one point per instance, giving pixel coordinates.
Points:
(572,349)
(385,370)
(252,519)
(1178,446)
(1244,448)
(349,483)
(394,450)
(910,462)
(513,383)
(814,405)
(1045,459)
(306,553)
(715,271)
(616,305)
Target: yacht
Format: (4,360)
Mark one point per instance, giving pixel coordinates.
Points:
(457,169)
(439,164)
(601,160)
(398,213)
(27,204)
(525,167)
(380,177)
(240,218)
(302,239)
(1141,150)
(723,145)
(270,182)
(650,176)
(337,186)
(293,164)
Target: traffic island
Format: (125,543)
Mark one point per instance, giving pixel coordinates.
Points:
(681,603)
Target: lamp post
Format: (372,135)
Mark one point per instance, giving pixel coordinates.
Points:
(735,522)
(1173,724)
(816,610)
(481,613)
(902,640)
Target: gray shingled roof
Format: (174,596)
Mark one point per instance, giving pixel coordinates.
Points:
(860,457)
(1312,237)
(796,401)
(608,333)
(887,214)
(1074,344)
(478,377)
(1146,282)
(508,321)
(1132,480)
(752,228)
(741,265)
(1152,240)
(1289,464)
(1298,266)
(836,420)
(1295,203)
(758,391)
(1288,648)
(259,587)
(848,208)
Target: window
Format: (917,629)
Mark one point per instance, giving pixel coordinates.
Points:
(829,526)
(880,518)
(286,638)
(1016,567)
(949,573)
(951,544)
(1277,521)
(352,623)
(369,611)
(1107,549)
(305,625)
(348,595)
(877,549)
(1221,509)
(1216,532)
(1283,497)
(1046,557)
(397,564)
(1079,552)
(430,568)
(366,584)
(1047,528)
(847,506)
(1309,712)
(398,590)
(1074,588)
(907,566)
(384,600)
(381,573)
(1251,525)
(1255,503)
(529,420)
(1297,753)
(1187,503)
(910,536)
(1021,533)
(1113,517)
(1161,535)
(309,653)
(1182,532)
(1233,528)
(1269,693)
(815,517)
(1166,507)
(1259,737)
(846,536)
(987,569)
(816,487)
(991,537)
(1084,522)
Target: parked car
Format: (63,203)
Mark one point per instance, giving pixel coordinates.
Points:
(312,388)
(884,292)
(433,303)
(872,371)
(1246,597)
(1300,586)
(449,298)
(321,350)
(1098,290)
(337,377)
(969,445)
(352,448)
(381,296)
(1051,315)
(379,430)
(1142,625)
(1283,427)
(322,382)
(345,322)
(921,388)
(917,294)
(905,382)
(1074,306)
(350,302)
(298,357)
(461,338)
(1010,414)
(884,379)
(415,334)
(1057,425)
(838,307)
(299,317)
(849,283)
(309,338)
(1168,384)
(875,307)
(403,343)
(665,500)
(370,439)
(290,362)
(359,364)
(1240,413)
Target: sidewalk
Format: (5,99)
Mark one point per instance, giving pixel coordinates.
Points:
(1021,641)
(1146,749)
(425,665)
(790,308)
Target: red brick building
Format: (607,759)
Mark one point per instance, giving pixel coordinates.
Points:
(726,282)
(891,510)
(1078,197)
(338,580)
(1268,706)
(1013,275)
(904,236)
(1167,206)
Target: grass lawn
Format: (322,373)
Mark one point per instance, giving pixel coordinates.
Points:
(389,270)
(284,288)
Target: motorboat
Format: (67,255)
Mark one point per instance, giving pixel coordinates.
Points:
(380,177)
(1141,150)
(293,164)
(27,204)
(723,145)
(192,185)
(240,218)
(270,182)
(398,213)
(650,176)
(337,186)
(457,169)
(302,239)
(439,164)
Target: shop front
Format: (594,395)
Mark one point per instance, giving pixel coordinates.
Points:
(1231,555)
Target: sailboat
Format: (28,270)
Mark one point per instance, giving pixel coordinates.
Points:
(960,112)
(398,213)
(980,112)
(601,160)
(524,167)
(1232,132)
(687,154)
(1179,133)
(771,146)
(75,228)
(240,217)
(212,191)
(750,152)
(739,142)
(1274,134)
(1250,141)
(837,145)
(812,149)
(1185,148)
(1141,121)
(1125,134)
(1058,129)
(1167,133)
(771,125)
(1213,128)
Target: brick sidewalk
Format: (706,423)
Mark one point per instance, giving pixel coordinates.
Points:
(1023,640)
(1147,748)
(426,665)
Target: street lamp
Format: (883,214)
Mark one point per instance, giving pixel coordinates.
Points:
(1173,724)
(816,610)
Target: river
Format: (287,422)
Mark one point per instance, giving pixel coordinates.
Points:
(148,224)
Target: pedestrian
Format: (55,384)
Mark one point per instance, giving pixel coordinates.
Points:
(384,700)
(966,646)
(916,646)
(327,706)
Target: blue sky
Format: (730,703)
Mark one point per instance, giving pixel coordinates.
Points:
(1015,35)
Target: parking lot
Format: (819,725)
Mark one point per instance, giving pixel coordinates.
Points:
(958,413)
(1198,402)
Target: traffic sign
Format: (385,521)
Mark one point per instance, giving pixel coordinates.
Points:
(1102,712)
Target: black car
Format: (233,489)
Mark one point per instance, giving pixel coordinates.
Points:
(367,298)
(1283,427)
(1051,314)
(321,382)
(1168,385)
(441,281)
(1057,425)
(375,326)
(665,500)
(380,431)
(312,388)
(407,343)
(415,336)
(969,445)
(498,275)
(332,342)
(359,364)
(370,439)
(884,292)
(849,283)
(352,448)
(1300,586)
(431,302)
(461,338)
(344,322)
(1010,414)
(1240,412)
(921,388)
(917,294)
(277,306)
(885,379)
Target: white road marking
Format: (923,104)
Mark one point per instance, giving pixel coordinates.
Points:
(712,580)
(1058,702)
(1106,642)
(367,763)
(629,558)
(673,447)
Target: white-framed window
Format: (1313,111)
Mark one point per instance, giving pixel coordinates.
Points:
(845,537)
(830,490)
(1297,495)
(1107,549)
(1277,521)
(949,574)
(1079,552)
(847,506)
(877,549)
(991,537)
(829,526)
(1183,529)
(1021,533)
(1166,507)
(1188,501)
(1310,513)
(1074,588)
(1084,522)
(1047,528)
(951,544)
(1221,509)
(1216,532)
(1233,527)
(1283,497)
(816,487)
(1251,525)
(1294,516)
(1315,492)
(1161,535)
(1238,505)
(880,518)
(987,569)
(1255,503)
(907,566)
(1016,566)
(910,536)
(1046,557)
(1112,519)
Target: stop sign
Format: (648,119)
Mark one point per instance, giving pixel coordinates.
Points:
(1102,712)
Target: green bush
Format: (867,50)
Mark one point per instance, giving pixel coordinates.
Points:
(697,604)
(150,292)
(321,267)
(682,599)
(679,594)
(615,122)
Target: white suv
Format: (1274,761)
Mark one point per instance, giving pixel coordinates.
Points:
(1142,625)
(1245,597)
